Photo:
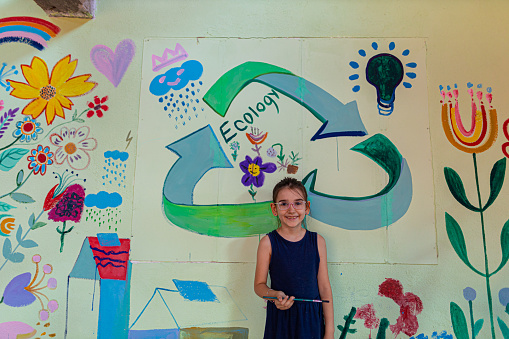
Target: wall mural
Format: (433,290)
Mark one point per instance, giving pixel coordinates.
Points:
(216,131)
(257,119)
(477,139)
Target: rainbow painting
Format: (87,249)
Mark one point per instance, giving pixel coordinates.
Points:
(28,30)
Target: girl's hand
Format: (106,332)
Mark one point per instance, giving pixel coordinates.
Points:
(283,301)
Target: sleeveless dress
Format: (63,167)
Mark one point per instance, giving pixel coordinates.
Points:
(293,269)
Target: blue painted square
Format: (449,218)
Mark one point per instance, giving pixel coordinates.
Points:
(195,290)
(108,239)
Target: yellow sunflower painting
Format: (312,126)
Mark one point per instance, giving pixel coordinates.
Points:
(50,93)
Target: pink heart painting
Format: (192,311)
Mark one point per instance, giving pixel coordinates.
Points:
(113,64)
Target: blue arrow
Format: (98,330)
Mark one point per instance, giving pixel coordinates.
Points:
(370,212)
(198,152)
(338,119)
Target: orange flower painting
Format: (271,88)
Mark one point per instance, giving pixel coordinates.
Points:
(50,93)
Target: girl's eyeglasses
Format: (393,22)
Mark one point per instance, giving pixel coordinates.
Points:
(298,205)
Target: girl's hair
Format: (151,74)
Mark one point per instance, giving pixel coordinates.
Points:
(292,184)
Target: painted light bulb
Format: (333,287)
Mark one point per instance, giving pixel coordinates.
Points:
(385,72)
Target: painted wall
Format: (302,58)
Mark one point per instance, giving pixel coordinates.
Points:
(465,43)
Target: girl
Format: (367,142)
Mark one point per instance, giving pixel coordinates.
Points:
(296,260)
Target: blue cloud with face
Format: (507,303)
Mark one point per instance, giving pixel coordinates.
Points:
(176,78)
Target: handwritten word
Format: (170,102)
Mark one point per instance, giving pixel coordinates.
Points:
(241,125)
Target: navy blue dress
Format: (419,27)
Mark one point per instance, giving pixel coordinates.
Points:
(293,269)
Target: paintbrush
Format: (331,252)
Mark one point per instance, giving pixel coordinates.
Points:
(296,299)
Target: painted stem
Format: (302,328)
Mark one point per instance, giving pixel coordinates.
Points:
(64,123)
(24,236)
(14,190)
(63,232)
(348,321)
(12,143)
(471,307)
(382,328)
(488,288)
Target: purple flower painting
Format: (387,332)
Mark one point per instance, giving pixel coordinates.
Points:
(254,171)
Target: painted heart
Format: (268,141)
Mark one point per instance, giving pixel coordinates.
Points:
(15,294)
(113,64)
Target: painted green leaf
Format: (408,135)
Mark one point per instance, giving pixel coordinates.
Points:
(503,328)
(478,326)
(19,178)
(16,257)
(4,207)
(496,181)
(38,225)
(457,190)
(504,244)
(458,241)
(10,157)
(31,220)
(459,322)
(28,243)
(22,198)
(7,248)
(19,232)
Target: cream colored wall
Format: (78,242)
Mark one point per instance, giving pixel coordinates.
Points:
(466,41)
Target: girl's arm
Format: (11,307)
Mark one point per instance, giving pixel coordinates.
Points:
(325,289)
(262,270)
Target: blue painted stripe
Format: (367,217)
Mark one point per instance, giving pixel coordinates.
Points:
(28,29)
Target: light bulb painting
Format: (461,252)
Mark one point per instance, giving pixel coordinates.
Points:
(385,72)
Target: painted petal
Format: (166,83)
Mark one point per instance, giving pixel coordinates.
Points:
(54,105)
(64,133)
(43,169)
(72,134)
(16,133)
(15,294)
(104,107)
(82,133)
(91,105)
(247,179)
(60,156)
(51,112)
(62,71)
(258,161)
(23,91)
(37,73)
(35,107)
(89,144)
(77,86)
(244,166)
(259,179)
(97,101)
(268,167)
(103,100)
(78,160)
(64,101)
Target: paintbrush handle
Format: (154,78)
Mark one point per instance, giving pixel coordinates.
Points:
(296,299)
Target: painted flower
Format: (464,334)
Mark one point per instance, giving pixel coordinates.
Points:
(503,296)
(50,93)
(70,206)
(73,146)
(469,294)
(483,130)
(256,137)
(255,171)
(23,290)
(39,159)
(1,105)
(97,107)
(235,146)
(27,130)
(57,192)
(271,152)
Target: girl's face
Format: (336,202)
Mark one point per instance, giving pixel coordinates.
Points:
(291,217)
